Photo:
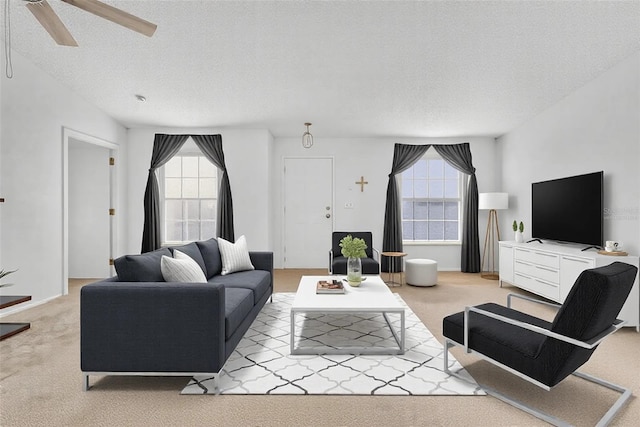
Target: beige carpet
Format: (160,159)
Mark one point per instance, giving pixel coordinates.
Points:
(41,382)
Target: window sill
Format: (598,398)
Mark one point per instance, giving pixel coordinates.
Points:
(171,244)
(428,243)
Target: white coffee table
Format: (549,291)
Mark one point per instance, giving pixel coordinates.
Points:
(373,295)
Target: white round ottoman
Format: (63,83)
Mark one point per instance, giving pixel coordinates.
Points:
(421,272)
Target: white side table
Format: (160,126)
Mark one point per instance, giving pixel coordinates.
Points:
(421,272)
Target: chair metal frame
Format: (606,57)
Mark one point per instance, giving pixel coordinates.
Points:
(608,416)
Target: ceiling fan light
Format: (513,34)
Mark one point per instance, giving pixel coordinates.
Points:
(307,138)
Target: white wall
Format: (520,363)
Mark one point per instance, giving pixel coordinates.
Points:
(595,128)
(255,161)
(372,158)
(247,153)
(89,203)
(34,109)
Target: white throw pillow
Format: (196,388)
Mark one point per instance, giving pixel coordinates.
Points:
(235,256)
(181,268)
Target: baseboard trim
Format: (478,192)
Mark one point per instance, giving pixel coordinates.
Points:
(26,306)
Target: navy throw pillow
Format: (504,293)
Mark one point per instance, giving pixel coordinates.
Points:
(141,268)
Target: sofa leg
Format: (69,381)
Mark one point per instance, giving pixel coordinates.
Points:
(85,385)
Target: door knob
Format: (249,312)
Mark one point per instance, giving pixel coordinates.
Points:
(328,215)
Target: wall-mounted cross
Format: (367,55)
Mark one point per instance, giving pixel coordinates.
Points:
(362,182)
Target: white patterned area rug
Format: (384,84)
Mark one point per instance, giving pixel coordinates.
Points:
(262,363)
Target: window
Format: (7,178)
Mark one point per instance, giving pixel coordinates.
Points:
(190,192)
(431,201)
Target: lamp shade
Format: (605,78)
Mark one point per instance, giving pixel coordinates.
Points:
(493,201)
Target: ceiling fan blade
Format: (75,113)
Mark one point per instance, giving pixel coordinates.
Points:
(52,23)
(116,15)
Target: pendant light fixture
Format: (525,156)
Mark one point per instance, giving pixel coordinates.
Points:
(307,138)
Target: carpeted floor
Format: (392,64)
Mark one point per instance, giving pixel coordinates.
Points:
(41,382)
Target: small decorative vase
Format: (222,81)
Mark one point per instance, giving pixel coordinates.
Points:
(519,237)
(354,271)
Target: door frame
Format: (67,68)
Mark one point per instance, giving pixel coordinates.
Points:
(67,135)
(284,198)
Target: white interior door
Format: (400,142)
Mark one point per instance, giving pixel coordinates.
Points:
(89,192)
(308,212)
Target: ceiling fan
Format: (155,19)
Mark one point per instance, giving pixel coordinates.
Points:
(43,12)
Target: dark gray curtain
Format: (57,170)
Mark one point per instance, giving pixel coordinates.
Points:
(404,156)
(459,156)
(211,147)
(164,148)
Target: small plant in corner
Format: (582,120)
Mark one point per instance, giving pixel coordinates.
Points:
(515,225)
(6,273)
(353,247)
(521,227)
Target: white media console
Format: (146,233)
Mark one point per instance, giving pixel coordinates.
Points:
(551,269)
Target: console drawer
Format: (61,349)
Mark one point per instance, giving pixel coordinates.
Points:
(537,271)
(538,286)
(540,258)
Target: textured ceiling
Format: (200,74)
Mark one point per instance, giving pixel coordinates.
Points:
(354,69)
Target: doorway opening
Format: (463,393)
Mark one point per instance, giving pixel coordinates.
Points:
(93,202)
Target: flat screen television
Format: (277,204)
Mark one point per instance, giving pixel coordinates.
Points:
(568,209)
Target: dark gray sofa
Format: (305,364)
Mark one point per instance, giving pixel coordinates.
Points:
(138,324)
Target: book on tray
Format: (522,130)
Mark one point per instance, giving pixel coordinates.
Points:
(329,287)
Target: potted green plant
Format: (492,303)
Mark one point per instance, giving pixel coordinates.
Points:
(353,248)
(517,231)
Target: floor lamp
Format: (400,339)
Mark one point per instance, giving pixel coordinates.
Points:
(491,202)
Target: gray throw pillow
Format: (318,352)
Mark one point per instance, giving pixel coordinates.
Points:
(235,256)
(182,268)
(193,250)
(211,256)
(141,268)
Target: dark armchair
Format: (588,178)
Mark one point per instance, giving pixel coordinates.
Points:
(338,263)
(542,352)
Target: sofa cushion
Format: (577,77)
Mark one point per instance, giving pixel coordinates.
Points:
(235,256)
(181,268)
(211,256)
(237,306)
(193,251)
(141,268)
(257,281)
(369,265)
